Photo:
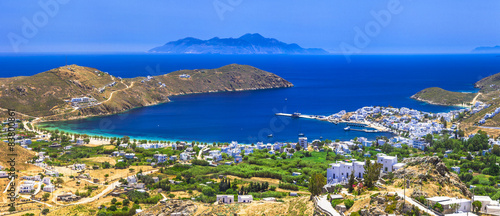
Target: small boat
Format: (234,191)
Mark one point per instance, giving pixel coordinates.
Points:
(347,128)
(270,135)
(295,115)
(301,134)
(321,137)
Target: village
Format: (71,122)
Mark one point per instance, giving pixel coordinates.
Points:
(61,159)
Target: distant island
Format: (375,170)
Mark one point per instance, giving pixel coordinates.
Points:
(487,49)
(75,92)
(246,44)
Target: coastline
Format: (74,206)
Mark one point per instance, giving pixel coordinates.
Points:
(438,104)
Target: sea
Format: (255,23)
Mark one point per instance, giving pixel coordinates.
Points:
(323,85)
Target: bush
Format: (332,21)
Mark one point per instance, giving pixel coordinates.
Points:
(289,187)
(45,211)
(208,191)
(126,202)
(438,207)
(348,203)
(112,208)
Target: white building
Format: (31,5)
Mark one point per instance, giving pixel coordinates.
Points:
(488,205)
(464,205)
(46,180)
(387,162)
(132,179)
(78,166)
(245,198)
(340,171)
(27,187)
(227,199)
(456,169)
(49,188)
(160,157)
(303,142)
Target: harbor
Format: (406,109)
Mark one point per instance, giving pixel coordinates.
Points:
(350,123)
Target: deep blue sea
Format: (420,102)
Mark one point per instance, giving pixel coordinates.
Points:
(323,85)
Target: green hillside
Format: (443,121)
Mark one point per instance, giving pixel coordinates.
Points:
(44,94)
(440,96)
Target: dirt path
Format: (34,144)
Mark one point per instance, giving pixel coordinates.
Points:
(475,98)
(111,95)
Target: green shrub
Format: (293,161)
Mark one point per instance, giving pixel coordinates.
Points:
(348,203)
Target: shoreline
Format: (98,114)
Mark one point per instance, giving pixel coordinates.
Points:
(438,104)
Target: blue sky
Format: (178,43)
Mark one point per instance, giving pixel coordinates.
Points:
(415,26)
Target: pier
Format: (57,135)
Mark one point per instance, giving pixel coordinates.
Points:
(364,130)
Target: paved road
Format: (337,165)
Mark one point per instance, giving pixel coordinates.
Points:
(421,207)
(201,151)
(327,206)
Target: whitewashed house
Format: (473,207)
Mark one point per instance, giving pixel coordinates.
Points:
(226,199)
(387,162)
(245,198)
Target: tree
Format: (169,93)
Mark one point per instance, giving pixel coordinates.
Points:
(59,181)
(476,205)
(45,211)
(496,150)
(351,182)
(126,202)
(454,206)
(46,196)
(113,201)
(316,183)
(372,173)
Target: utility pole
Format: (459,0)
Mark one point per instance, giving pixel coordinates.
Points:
(404,189)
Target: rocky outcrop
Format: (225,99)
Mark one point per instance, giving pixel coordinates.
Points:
(435,170)
(171,207)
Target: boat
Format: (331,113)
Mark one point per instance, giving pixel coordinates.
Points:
(301,134)
(321,137)
(347,128)
(270,135)
(296,115)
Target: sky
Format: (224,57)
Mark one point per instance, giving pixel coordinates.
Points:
(356,26)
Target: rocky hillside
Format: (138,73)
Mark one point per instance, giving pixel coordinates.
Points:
(181,207)
(488,84)
(44,94)
(429,172)
(440,96)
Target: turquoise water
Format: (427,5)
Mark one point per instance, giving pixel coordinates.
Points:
(323,85)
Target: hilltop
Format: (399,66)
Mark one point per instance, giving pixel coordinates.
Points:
(440,96)
(246,44)
(48,94)
(488,90)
